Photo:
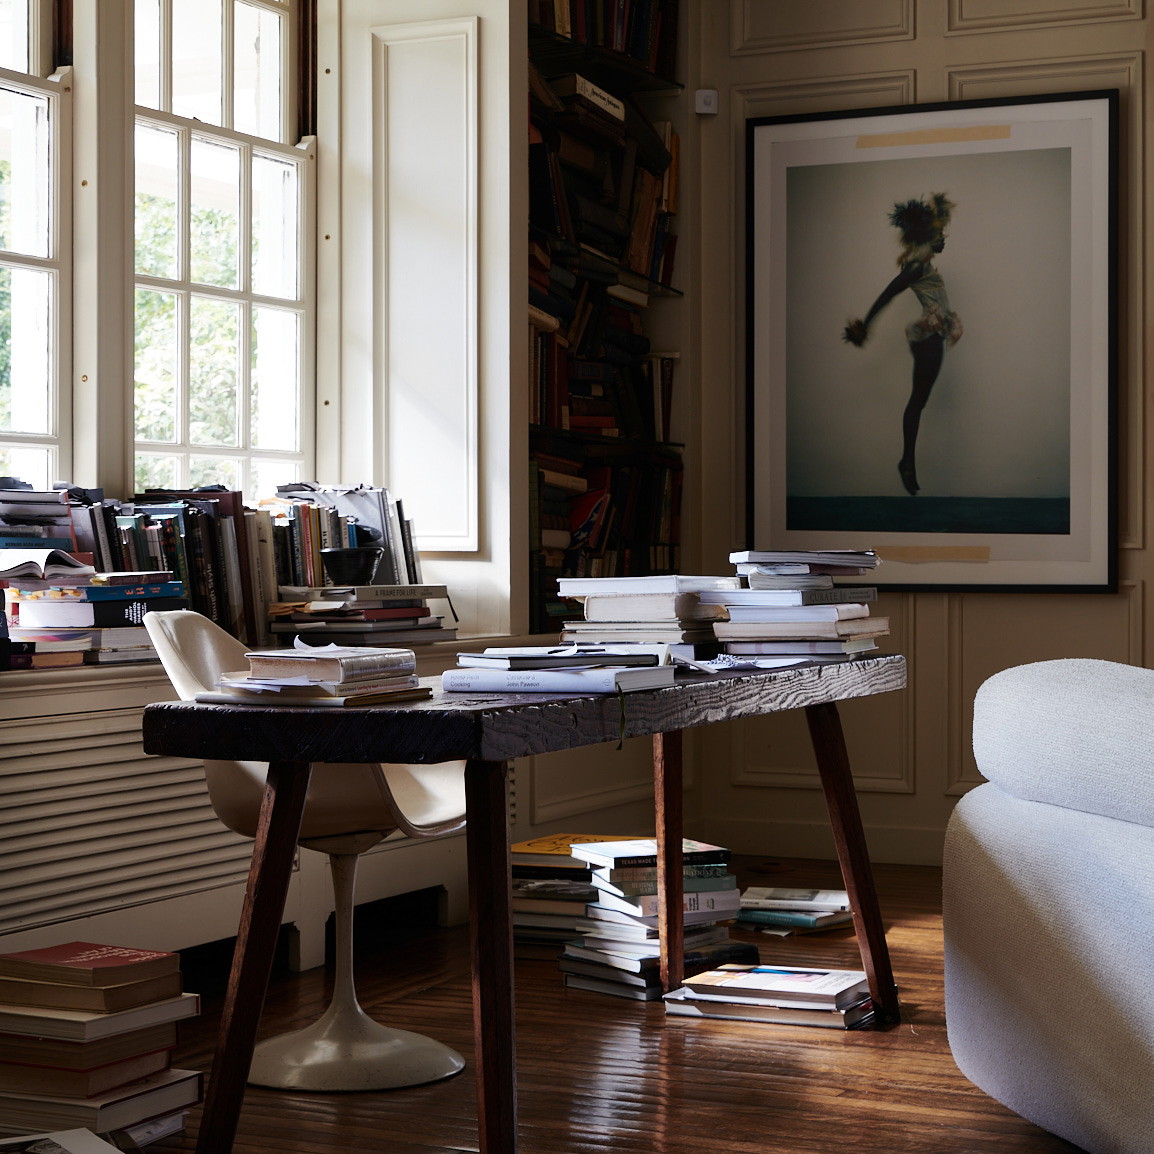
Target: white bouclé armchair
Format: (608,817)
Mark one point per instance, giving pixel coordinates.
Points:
(1049,902)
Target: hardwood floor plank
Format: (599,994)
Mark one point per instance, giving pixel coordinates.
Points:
(605,1075)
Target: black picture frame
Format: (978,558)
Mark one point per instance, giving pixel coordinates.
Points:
(1003,395)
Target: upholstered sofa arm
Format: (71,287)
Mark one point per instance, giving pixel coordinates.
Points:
(1076,733)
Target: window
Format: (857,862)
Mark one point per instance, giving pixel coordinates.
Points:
(34,238)
(223,211)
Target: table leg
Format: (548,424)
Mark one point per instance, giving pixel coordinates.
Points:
(268,879)
(841,799)
(668,805)
(491,920)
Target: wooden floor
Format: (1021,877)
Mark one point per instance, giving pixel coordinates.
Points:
(605,1075)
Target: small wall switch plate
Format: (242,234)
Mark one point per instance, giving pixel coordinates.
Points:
(705,101)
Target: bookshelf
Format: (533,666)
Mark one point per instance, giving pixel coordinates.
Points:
(605,478)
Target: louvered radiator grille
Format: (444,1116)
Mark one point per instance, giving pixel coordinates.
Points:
(89,823)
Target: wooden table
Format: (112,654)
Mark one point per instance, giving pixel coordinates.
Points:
(488,731)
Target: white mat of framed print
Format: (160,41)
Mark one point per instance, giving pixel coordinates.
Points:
(983,456)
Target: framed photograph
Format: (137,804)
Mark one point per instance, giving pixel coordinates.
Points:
(931,340)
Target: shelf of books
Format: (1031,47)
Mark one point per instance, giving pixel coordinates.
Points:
(605,477)
(80,570)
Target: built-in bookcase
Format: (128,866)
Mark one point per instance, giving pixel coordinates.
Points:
(604,476)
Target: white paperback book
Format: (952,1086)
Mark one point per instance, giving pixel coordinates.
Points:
(600,679)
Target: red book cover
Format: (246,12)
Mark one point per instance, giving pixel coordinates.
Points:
(88,964)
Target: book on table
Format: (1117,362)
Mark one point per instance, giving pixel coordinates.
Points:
(855,558)
(320,701)
(818,647)
(659,583)
(160,1093)
(598,679)
(336,664)
(601,919)
(549,856)
(562,656)
(848,610)
(786,597)
(809,984)
(247,686)
(648,607)
(88,964)
(609,633)
(645,941)
(683,1003)
(802,630)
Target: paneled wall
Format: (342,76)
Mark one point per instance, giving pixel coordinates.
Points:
(758,789)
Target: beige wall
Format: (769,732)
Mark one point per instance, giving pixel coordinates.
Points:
(757,790)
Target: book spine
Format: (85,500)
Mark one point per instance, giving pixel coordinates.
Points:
(782,917)
(127,592)
(528,681)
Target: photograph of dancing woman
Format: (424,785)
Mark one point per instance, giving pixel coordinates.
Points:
(922,225)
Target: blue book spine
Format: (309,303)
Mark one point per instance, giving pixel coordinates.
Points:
(64,543)
(131,592)
(785,918)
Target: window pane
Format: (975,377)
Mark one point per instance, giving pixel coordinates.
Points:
(32,466)
(25,356)
(157,165)
(275,226)
(157,365)
(215,213)
(266,475)
(214,358)
(14,35)
(196,60)
(257,91)
(276,380)
(146,57)
(24,152)
(214,471)
(154,471)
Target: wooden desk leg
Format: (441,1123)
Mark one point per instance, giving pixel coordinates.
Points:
(668,805)
(268,879)
(491,922)
(841,799)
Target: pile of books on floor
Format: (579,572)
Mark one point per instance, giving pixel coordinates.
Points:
(784,995)
(791,606)
(618,951)
(333,676)
(75,616)
(784,912)
(88,1033)
(551,888)
(568,668)
(361,614)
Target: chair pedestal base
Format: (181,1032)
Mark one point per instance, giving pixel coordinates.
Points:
(346,1050)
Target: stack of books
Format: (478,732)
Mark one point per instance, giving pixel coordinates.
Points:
(550,887)
(335,676)
(783,911)
(89,1031)
(577,668)
(791,606)
(666,608)
(360,614)
(73,617)
(783,995)
(619,950)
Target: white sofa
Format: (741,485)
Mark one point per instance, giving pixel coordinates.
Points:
(1049,902)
